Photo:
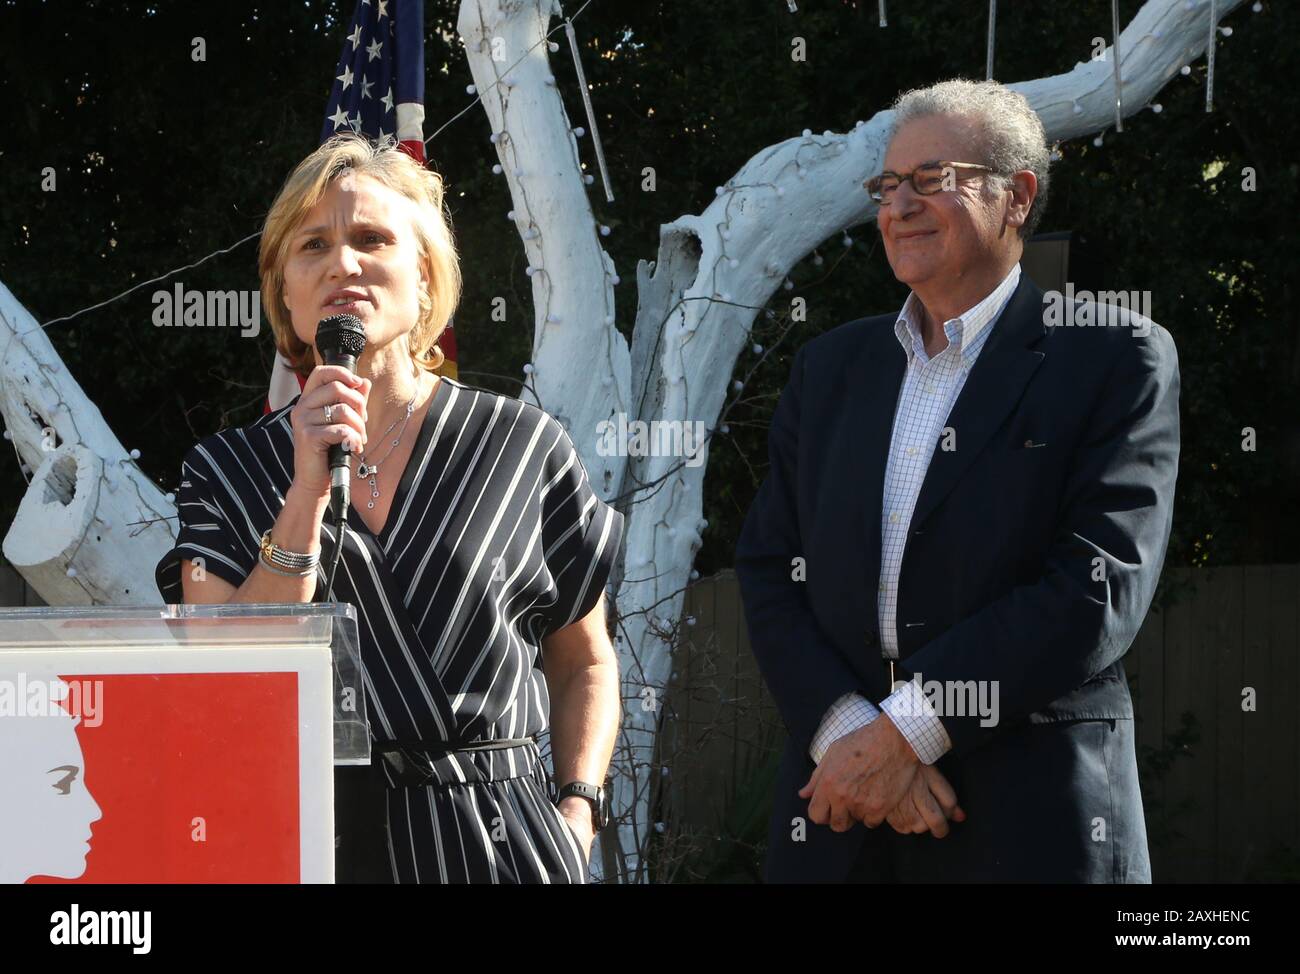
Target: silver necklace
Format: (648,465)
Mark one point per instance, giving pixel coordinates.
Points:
(371,470)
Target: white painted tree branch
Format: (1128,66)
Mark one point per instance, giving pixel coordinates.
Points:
(697,304)
(88,506)
(580,361)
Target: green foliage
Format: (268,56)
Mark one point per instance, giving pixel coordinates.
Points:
(733,851)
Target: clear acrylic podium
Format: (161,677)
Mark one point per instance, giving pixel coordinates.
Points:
(179,743)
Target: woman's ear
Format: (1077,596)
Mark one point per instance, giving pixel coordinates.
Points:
(426,271)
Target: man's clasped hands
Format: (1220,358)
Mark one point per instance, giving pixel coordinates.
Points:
(873,775)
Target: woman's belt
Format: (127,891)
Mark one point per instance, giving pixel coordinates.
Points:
(413,763)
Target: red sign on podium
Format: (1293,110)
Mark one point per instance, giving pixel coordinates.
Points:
(166,766)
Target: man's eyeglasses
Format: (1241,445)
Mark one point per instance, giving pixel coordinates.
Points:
(926,179)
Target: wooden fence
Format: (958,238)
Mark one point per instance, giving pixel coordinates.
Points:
(14,590)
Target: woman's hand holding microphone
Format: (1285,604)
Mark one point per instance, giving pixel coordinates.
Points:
(298,528)
(345,393)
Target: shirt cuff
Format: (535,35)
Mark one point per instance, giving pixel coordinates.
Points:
(844,716)
(914,716)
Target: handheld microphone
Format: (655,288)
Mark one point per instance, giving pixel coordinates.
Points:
(340,340)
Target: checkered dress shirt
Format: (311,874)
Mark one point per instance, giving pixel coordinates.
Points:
(930,388)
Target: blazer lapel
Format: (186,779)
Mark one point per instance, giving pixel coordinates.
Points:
(876,379)
(992,390)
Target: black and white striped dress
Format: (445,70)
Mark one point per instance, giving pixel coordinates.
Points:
(495,539)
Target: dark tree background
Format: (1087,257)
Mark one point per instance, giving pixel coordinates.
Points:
(161,161)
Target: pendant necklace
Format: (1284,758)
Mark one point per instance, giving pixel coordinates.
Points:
(371,470)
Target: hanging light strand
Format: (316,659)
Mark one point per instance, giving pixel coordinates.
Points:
(591,114)
(1114,48)
(1209,56)
(993,20)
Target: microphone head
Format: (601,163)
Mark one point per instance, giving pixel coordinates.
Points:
(340,335)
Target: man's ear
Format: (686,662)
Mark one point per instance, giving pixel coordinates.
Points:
(1024,188)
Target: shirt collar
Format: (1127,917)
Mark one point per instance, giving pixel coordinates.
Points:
(966,332)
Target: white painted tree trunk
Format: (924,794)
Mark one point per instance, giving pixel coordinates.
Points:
(88,507)
(696,305)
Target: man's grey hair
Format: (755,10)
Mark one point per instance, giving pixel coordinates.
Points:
(1013,134)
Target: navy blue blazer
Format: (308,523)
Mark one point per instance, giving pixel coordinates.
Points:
(1067,441)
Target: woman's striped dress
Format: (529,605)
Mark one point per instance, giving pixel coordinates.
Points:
(494,540)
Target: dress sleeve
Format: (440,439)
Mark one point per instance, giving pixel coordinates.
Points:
(206,531)
(581,536)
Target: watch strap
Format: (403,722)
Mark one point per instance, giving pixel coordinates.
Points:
(592,793)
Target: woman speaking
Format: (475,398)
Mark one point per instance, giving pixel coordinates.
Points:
(476,551)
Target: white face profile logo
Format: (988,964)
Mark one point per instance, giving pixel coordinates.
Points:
(45,808)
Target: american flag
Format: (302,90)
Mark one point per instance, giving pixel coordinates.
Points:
(378,90)
(379,81)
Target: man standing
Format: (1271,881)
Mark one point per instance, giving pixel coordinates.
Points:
(959,536)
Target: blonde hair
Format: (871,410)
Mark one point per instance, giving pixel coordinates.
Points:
(384,162)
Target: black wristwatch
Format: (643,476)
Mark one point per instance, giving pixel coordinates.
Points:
(595,795)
